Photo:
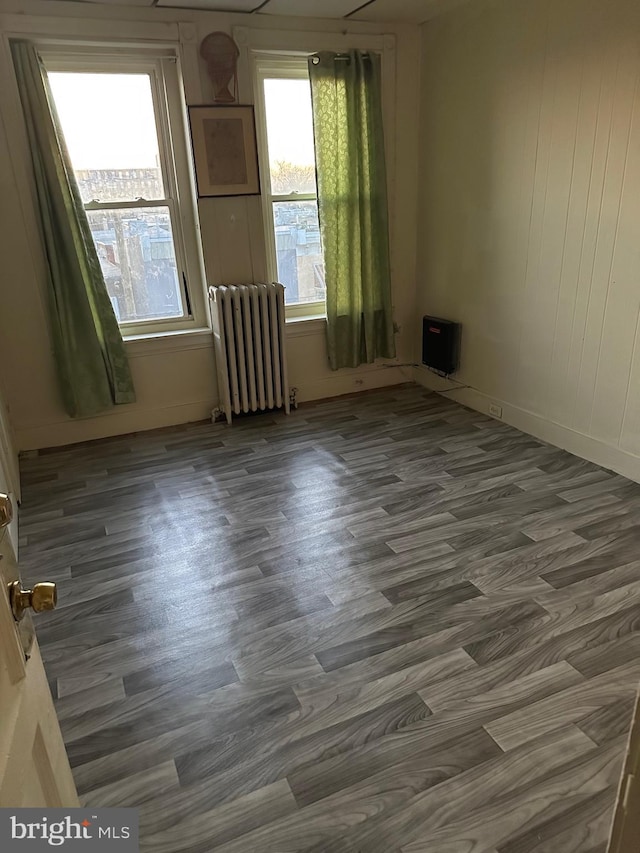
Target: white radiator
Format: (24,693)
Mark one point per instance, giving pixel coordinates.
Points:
(248,334)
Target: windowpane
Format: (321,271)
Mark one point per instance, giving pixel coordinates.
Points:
(136,251)
(109,125)
(299,251)
(290,136)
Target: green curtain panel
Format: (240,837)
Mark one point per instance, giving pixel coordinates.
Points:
(352,201)
(91,361)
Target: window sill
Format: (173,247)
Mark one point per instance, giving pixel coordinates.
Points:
(173,341)
(300,326)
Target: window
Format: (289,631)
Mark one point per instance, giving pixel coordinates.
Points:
(123,125)
(285,131)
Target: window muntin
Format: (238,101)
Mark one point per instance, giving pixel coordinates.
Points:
(285,123)
(123,121)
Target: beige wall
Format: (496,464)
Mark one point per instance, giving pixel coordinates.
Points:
(529,228)
(9,477)
(175,377)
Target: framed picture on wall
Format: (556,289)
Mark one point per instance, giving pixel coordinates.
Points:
(224,150)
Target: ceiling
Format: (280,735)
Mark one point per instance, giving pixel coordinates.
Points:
(415,11)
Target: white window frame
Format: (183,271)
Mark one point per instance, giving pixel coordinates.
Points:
(290,66)
(162,65)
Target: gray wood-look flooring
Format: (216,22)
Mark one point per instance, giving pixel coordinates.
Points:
(385,623)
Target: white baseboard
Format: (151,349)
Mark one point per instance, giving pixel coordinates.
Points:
(114,422)
(120,421)
(349,382)
(612,458)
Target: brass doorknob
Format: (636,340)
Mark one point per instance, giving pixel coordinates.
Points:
(43,596)
(6,510)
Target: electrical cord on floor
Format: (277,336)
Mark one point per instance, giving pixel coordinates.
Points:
(450,390)
(458,387)
(403,364)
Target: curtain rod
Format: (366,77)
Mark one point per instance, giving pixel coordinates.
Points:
(339,57)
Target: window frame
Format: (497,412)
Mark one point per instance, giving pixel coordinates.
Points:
(290,66)
(176,168)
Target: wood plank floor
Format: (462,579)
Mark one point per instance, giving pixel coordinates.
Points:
(385,623)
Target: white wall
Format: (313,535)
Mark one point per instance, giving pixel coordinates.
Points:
(529,228)
(175,377)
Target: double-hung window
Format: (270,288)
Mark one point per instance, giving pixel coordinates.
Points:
(123,122)
(285,132)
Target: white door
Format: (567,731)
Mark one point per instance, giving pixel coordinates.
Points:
(34,769)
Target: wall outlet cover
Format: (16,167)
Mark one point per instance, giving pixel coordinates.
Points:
(495,411)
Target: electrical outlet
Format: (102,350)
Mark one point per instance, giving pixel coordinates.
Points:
(495,411)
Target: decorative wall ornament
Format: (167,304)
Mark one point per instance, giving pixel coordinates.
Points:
(220,52)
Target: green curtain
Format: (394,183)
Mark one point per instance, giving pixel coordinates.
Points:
(352,202)
(90,357)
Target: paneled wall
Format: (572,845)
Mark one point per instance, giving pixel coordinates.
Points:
(529,228)
(175,376)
